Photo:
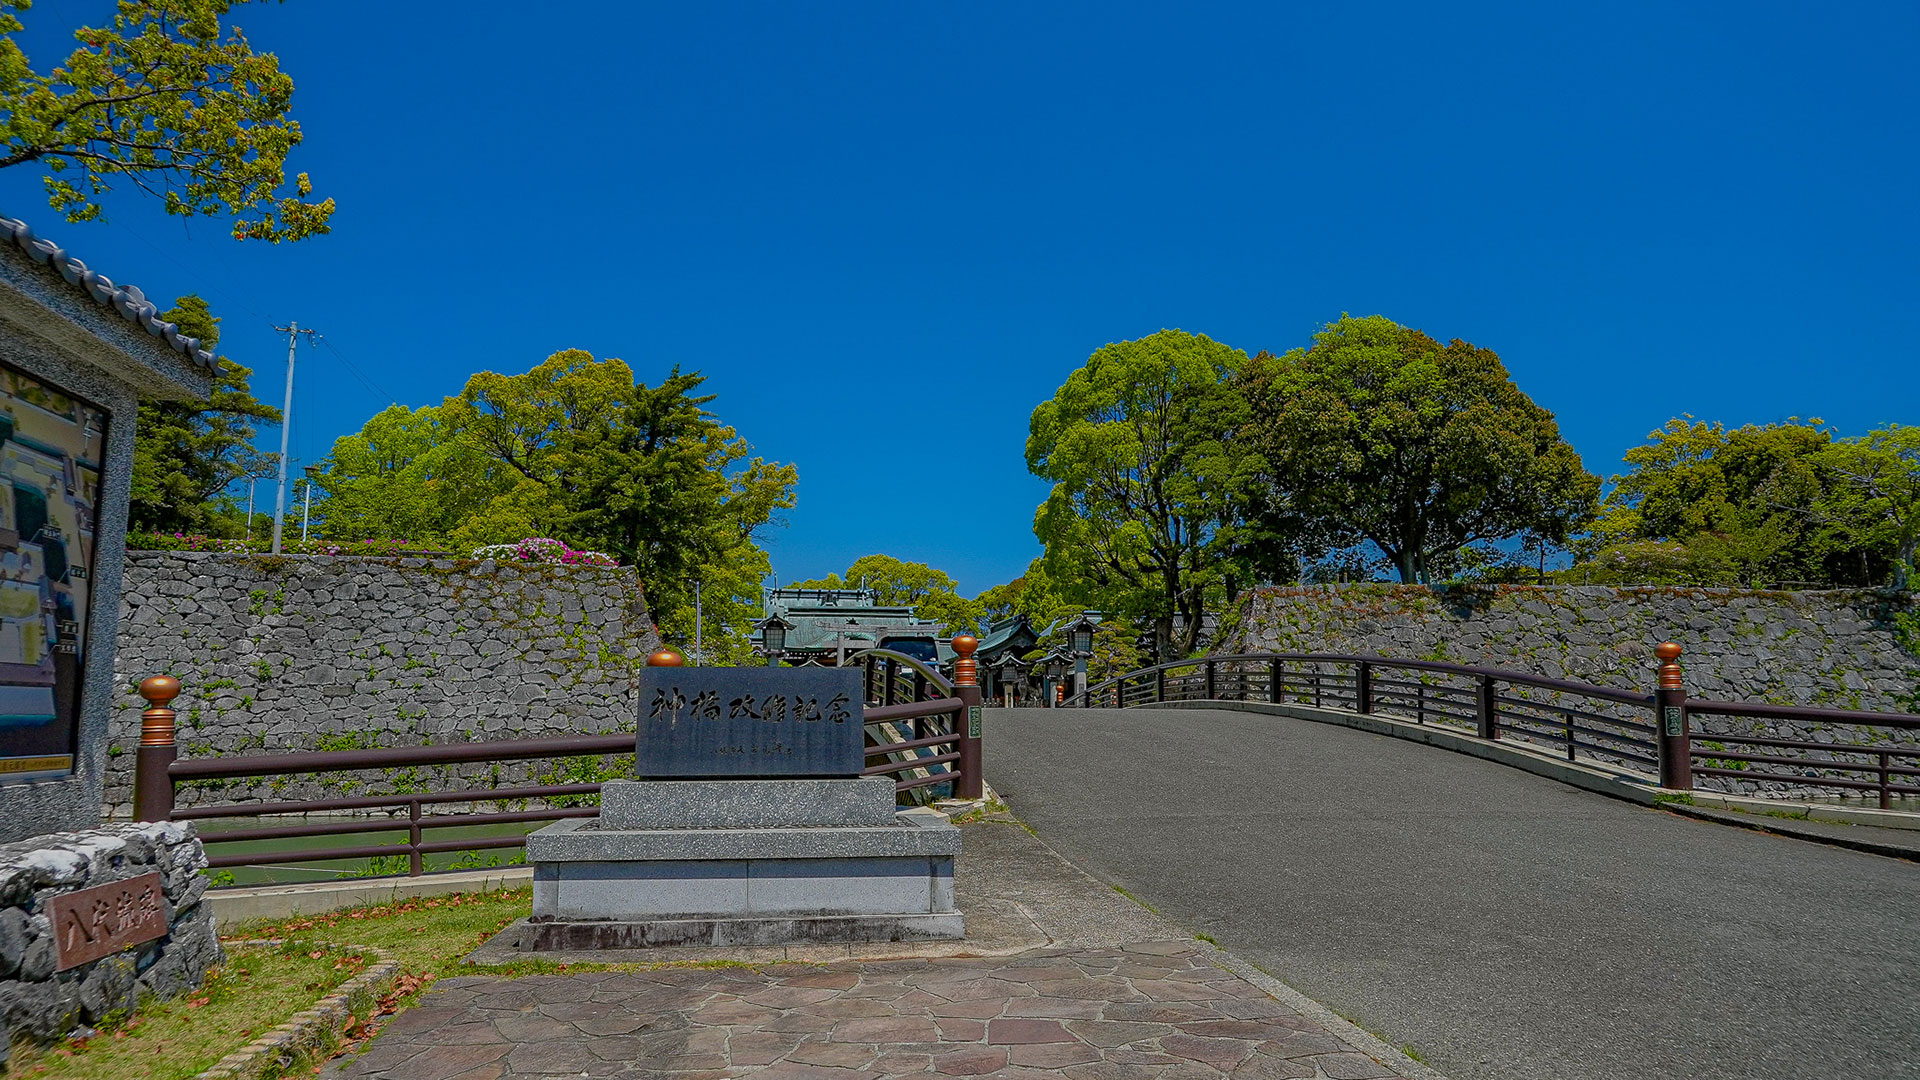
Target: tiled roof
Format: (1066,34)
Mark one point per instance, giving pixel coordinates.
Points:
(127,300)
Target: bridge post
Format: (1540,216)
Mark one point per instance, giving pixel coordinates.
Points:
(966,687)
(1486,710)
(1210,691)
(1276,677)
(152,788)
(1160,684)
(1670,719)
(1363,688)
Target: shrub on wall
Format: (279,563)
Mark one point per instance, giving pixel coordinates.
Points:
(541,549)
(147,541)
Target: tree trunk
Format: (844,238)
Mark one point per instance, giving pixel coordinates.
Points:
(1403,562)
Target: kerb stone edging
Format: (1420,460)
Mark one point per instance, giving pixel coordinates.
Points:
(1360,1038)
(308,1028)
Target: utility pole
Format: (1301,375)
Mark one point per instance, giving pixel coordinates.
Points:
(252,481)
(293,332)
(698,656)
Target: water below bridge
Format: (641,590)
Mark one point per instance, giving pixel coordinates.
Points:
(1501,924)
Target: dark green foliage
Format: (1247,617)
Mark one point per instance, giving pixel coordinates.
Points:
(186,455)
(1382,434)
(1146,479)
(1759,505)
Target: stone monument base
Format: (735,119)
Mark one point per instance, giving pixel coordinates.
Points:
(743,862)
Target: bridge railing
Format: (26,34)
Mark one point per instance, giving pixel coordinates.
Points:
(921,734)
(1653,733)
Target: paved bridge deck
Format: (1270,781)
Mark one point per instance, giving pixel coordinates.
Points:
(1502,924)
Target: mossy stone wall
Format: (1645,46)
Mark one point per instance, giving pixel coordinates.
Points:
(326,653)
(1838,649)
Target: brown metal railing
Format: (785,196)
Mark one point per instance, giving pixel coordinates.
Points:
(944,748)
(1648,733)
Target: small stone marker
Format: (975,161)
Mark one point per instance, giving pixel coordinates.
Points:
(749,722)
(105,919)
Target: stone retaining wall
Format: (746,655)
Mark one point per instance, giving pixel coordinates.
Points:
(331,652)
(39,1002)
(1833,649)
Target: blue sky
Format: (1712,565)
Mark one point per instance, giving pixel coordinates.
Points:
(886,231)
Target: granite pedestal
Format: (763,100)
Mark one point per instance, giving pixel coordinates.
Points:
(743,862)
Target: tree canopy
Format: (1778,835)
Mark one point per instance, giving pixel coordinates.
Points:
(579,450)
(165,100)
(1378,432)
(186,455)
(932,593)
(1147,483)
(1759,505)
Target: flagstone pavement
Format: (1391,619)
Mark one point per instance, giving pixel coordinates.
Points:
(1149,1010)
(1060,974)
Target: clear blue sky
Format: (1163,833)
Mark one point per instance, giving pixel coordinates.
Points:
(886,231)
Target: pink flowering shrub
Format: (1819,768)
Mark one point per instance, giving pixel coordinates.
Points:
(542,549)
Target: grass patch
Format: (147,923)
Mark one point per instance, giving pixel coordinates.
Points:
(254,991)
(429,935)
(1136,899)
(1209,939)
(1683,800)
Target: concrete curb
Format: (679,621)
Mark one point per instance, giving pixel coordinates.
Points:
(307,1029)
(234,906)
(1365,1041)
(1776,826)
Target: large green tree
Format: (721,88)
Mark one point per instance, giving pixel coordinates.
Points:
(1875,488)
(932,593)
(1704,504)
(186,455)
(1035,594)
(1147,481)
(164,99)
(579,450)
(1380,433)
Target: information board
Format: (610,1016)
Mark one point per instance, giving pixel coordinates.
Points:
(749,722)
(51,447)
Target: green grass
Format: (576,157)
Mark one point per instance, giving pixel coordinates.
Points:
(1136,899)
(256,990)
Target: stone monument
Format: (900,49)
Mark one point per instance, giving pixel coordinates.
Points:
(90,918)
(751,825)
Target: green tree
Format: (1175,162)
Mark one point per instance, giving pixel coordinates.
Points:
(1146,480)
(161,99)
(1034,594)
(1876,487)
(1703,504)
(930,592)
(1382,434)
(578,450)
(1116,651)
(185,454)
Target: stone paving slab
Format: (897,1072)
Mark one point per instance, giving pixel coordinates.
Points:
(1146,1010)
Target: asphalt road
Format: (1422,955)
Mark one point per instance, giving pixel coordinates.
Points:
(1499,923)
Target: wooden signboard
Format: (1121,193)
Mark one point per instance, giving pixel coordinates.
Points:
(105,919)
(749,722)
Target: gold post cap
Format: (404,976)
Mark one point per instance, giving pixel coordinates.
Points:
(665,658)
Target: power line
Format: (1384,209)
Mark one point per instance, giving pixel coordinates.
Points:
(364,381)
